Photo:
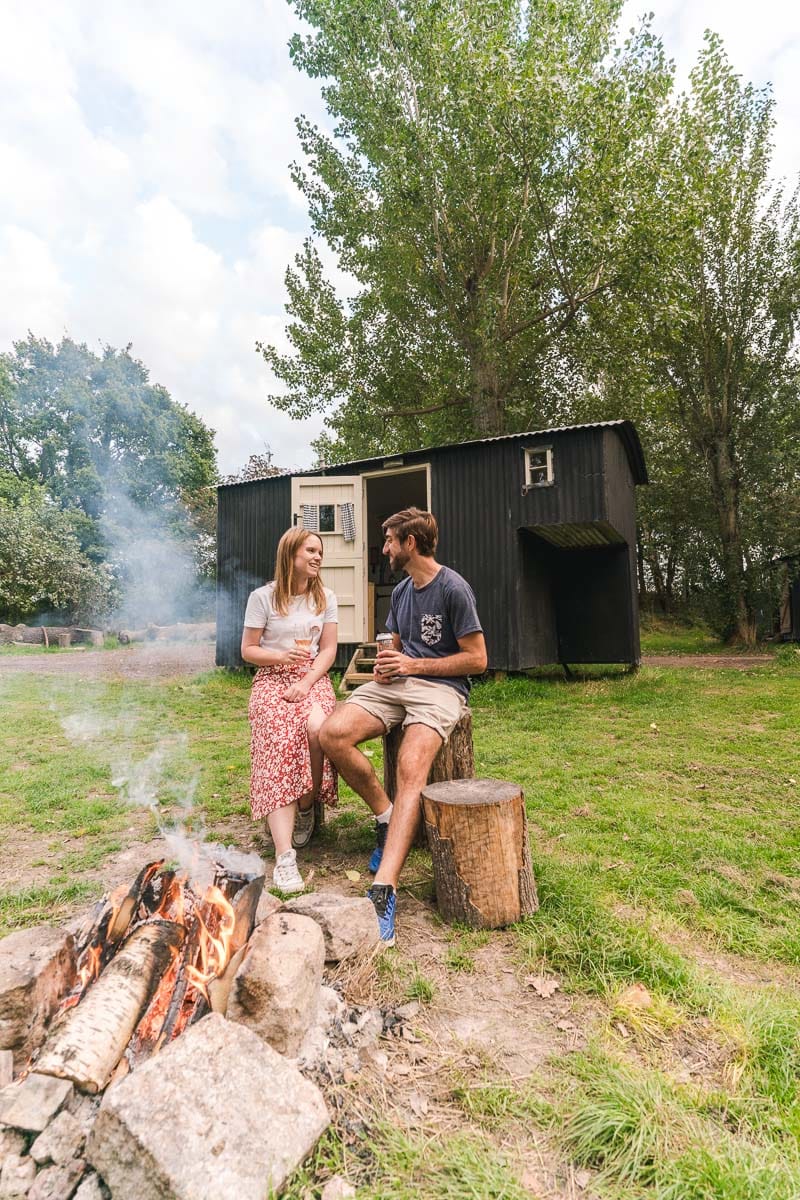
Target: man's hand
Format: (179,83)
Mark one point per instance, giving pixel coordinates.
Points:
(391,663)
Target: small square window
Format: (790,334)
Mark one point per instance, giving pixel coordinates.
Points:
(327,518)
(539,466)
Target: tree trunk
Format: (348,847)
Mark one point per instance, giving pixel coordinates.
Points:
(725,490)
(88,1042)
(488,405)
(478,834)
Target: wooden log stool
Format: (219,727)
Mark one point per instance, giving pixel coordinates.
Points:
(477,830)
(455,760)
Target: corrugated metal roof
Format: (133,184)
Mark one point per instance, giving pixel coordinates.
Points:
(626,430)
(579,536)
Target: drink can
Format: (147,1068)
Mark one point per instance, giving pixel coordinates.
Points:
(385,642)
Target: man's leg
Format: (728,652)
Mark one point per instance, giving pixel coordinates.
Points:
(339,738)
(419,747)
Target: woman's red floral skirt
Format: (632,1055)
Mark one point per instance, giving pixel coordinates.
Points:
(280,762)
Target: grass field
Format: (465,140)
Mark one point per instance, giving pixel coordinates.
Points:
(666,845)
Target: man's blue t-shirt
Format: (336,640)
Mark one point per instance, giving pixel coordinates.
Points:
(430,620)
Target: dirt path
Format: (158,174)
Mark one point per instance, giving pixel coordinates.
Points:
(706,662)
(155,660)
(169,660)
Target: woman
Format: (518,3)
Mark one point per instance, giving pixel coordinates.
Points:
(290,628)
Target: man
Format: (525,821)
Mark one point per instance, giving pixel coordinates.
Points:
(421,681)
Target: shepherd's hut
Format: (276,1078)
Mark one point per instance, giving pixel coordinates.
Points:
(542,524)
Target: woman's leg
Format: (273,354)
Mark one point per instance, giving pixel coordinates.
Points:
(281,826)
(315,720)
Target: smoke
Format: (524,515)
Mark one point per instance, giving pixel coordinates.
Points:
(158,572)
(156,783)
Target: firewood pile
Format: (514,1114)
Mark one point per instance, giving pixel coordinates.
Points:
(173,1044)
(50,635)
(203,631)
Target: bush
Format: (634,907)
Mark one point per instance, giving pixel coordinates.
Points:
(42,566)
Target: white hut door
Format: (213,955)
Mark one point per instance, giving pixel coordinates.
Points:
(325,502)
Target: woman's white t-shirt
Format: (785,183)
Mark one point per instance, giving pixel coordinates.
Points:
(279,632)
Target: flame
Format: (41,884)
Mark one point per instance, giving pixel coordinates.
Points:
(213,948)
(90,967)
(209,925)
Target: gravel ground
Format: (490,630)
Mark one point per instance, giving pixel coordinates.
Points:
(154,660)
(169,660)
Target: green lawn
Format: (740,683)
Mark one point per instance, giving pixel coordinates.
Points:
(663,811)
(666,635)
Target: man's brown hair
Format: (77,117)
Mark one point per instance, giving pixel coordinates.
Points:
(415,520)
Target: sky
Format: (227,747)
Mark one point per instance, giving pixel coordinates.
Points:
(146,195)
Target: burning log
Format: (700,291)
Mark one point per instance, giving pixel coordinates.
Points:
(90,1039)
(203,972)
(245,904)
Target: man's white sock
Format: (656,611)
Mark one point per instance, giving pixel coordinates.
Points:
(383,819)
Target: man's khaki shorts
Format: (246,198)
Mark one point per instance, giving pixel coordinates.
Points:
(412,701)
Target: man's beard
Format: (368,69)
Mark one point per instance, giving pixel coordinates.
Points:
(398,561)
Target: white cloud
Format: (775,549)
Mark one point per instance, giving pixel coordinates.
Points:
(144,151)
(37,298)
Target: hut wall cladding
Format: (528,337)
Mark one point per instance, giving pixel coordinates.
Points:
(251,519)
(470,486)
(621,506)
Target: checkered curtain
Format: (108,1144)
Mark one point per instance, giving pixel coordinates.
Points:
(348,516)
(310,517)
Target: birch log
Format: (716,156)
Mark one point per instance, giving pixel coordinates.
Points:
(91,1038)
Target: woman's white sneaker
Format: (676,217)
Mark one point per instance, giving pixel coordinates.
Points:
(286,875)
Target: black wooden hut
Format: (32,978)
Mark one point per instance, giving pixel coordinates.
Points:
(789,603)
(542,524)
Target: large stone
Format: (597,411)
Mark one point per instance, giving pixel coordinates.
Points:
(6,1068)
(90,1189)
(58,1183)
(12,1141)
(348,923)
(32,1102)
(315,1047)
(275,992)
(267,905)
(62,1140)
(37,968)
(17,1176)
(217,1113)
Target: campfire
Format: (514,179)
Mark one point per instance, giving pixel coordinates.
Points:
(151,960)
(193,982)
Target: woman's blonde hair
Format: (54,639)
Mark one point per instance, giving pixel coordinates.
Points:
(288,546)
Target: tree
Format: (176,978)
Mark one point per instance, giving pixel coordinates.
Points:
(89,427)
(488,179)
(42,566)
(258,466)
(717,326)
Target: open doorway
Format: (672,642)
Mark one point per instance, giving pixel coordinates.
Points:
(386,493)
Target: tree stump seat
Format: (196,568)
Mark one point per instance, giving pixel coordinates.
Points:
(477,830)
(455,760)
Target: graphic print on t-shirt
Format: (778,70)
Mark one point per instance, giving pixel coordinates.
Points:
(431,628)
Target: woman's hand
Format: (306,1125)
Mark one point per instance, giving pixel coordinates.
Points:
(296,657)
(296,691)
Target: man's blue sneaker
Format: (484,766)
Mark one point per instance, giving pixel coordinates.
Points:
(381,829)
(384,900)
